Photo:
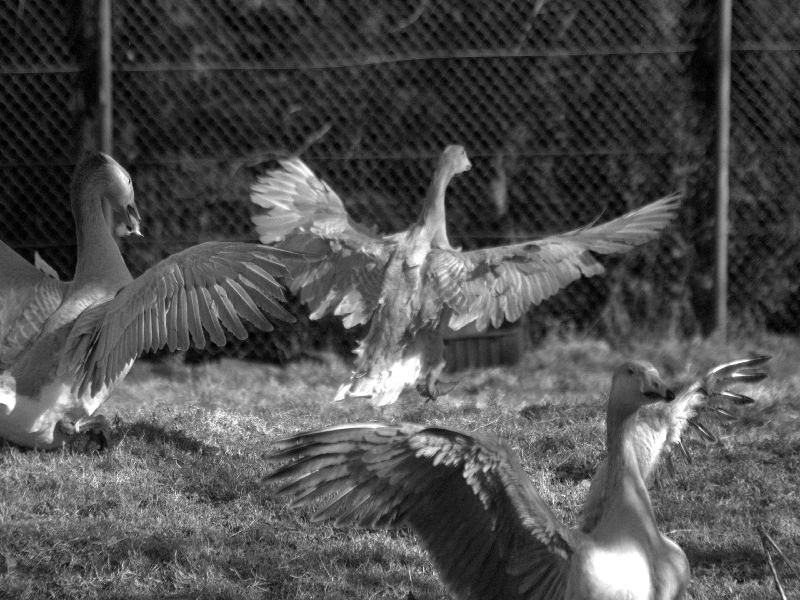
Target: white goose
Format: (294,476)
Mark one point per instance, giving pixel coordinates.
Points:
(660,427)
(408,284)
(64,346)
(487,530)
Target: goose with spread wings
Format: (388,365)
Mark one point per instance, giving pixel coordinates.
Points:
(64,346)
(488,532)
(407,284)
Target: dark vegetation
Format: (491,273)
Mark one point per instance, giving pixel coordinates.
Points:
(567,111)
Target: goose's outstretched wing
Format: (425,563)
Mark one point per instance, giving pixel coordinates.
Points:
(660,427)
(486,528)
(27,298)
(305,215)
(209,287)
(497,284)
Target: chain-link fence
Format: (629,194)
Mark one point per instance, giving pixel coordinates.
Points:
(567,110)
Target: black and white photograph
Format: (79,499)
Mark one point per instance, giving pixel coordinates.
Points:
(399,299)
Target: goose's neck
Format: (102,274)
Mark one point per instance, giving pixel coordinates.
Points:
(627,505)
(99,259)
(432,220)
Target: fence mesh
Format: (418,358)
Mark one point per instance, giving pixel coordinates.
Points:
(568,110)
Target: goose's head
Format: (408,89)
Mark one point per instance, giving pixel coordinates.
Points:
(636,383)
(454,161)
(100,177)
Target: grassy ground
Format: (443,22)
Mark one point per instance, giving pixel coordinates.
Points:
(176,510)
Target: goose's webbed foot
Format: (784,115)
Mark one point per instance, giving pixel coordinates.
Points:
(95,430)
(432,388)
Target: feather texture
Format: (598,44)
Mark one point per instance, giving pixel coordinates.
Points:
(385,476)
(64,346)
(661,427)
(185,293)
(23,312)
(306,216)
(402,284)
(485,527)
(502,283)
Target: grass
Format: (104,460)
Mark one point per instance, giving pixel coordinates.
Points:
(175,510)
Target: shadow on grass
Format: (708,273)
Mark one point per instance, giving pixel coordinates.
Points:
(741,563)
(151,433)
(374,569)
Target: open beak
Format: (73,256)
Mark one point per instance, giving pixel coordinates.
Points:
(132,219)
(654,387)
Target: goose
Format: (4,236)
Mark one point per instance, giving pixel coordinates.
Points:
(488,532)
(64,346)
(407,284)
(660,427)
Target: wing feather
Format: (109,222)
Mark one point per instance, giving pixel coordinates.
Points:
(147,339)
(207,287)
(27,299)
(182,309)
(533,271)
(97,380)
(172,320)
(160,317)
(244,305)
(227,312)
(303,214)
(195,322)
(660,427)
(113,358)
(459,493)
(208,315)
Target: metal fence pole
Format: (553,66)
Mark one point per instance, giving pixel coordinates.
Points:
(723,156)
(104,75)
(105,130)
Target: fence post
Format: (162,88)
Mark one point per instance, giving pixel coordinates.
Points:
(723,166)
(104,74)
(105,131)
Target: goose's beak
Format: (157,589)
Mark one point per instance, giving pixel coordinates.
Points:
(132,219)
(654,387)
